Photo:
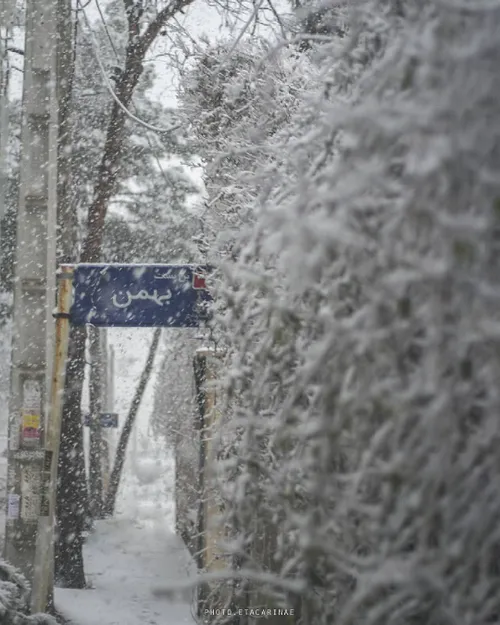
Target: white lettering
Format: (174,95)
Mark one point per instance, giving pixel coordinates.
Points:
(121,305)
(168,275)
(142,295)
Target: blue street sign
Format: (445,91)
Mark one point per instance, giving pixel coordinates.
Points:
(107,419)
(140,295)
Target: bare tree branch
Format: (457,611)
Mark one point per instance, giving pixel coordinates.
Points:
(153,30)
(133,12)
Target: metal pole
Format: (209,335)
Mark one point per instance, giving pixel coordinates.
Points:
(95,438)
(110,407)
(111,380)
(34,287)
(103,343)
(107,434)
(44,571)
(200,376)
(104,407)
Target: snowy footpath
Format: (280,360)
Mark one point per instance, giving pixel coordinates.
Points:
(129,556)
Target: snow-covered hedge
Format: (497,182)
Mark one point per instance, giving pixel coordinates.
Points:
(361,316)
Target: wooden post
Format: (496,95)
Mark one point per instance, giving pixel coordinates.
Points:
(44,573)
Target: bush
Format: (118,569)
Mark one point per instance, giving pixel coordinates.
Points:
(14,599)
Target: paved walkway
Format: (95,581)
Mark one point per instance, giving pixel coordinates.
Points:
(128,557)
(124,562)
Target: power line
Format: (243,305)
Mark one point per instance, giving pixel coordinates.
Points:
(107,29)
(110,87)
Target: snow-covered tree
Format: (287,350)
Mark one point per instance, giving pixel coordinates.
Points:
(149,218)
(237,100)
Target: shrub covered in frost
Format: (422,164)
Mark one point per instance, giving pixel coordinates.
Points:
(14,600)
(362,324)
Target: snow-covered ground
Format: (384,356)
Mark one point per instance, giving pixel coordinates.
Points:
(127,557)
(130,555)
(124,561)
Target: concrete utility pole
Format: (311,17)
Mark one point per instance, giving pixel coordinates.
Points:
(34,293)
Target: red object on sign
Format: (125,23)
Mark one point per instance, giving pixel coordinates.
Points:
(199,281)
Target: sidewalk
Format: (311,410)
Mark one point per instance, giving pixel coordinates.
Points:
(124,561)
(128,556)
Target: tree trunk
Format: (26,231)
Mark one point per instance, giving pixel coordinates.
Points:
(71,486)
(72,497)
(109,167)
(114,482)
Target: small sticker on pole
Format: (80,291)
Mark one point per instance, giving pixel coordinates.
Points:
(31,427)
(31,413)
(13,506)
